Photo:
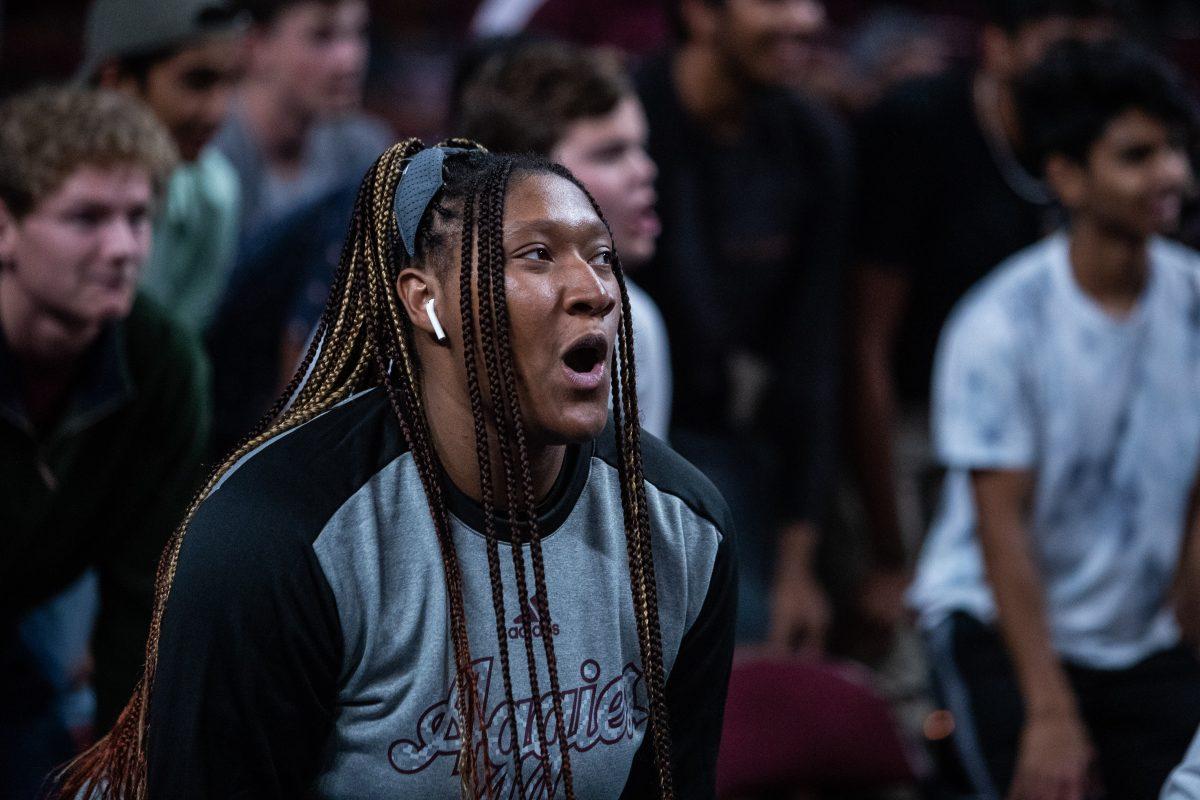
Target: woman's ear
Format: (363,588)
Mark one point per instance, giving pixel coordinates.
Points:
(421,298)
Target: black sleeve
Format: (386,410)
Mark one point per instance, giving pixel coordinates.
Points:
(248,661)
(696,691)
(802,413)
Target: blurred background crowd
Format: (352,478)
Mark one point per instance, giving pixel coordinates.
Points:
(803,193)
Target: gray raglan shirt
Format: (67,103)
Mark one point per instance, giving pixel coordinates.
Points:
(305,649)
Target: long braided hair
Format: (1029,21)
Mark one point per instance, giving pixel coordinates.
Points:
(365,340)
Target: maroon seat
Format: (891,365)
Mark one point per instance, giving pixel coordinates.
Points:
(807,725)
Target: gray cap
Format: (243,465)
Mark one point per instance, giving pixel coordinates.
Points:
(123,28)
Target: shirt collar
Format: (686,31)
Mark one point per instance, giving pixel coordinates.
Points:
(551,512)
(102,386)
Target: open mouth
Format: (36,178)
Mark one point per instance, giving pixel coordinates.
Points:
(585,360)
(586,353)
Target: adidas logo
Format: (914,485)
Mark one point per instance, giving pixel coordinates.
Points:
(517,629)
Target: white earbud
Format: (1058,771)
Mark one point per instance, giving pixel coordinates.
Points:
(438,330)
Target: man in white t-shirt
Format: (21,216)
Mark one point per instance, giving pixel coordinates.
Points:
(1065,412)
(1184,783)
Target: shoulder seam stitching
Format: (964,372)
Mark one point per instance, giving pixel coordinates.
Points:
(690,506)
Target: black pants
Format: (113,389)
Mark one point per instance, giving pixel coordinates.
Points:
(1140,719)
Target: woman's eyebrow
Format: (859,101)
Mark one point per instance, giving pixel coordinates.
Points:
(590,228)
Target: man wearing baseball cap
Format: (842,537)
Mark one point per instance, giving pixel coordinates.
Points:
(182,58)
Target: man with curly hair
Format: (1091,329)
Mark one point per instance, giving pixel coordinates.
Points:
(103,402)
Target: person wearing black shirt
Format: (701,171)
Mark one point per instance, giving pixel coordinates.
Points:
(753,195)
(943,197)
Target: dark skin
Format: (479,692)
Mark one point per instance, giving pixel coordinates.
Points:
(560,287)
(1129,188)
(1187,582)
(880,301)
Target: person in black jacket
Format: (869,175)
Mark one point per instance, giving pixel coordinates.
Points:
(753,191)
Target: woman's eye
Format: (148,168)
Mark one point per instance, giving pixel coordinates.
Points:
(537,253)
(604,258)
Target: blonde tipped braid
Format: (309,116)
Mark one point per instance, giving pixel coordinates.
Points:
(394,327)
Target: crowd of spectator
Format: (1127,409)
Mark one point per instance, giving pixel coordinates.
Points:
(912,284)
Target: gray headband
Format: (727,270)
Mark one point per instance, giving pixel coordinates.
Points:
(422,179)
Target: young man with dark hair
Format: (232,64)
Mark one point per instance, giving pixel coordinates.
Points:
(577,107)
(182,59)
(945,193)
(296,131)
(754,195)
(103,399)
(1064,412)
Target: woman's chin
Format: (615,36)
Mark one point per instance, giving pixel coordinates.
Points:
(576,423)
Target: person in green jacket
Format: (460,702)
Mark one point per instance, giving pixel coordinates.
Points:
(103,400)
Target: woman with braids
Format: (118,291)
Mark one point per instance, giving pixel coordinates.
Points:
(439,568)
